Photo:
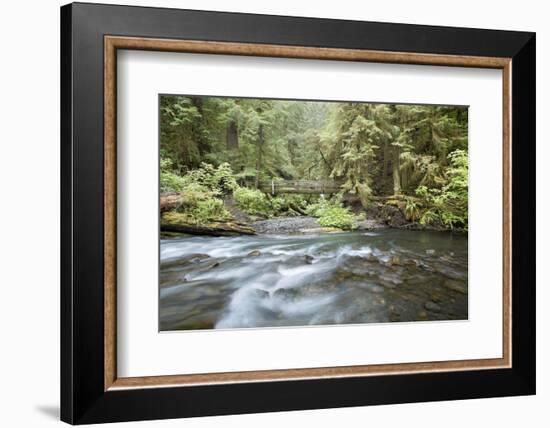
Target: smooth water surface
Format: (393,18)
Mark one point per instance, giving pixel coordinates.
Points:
(385,275)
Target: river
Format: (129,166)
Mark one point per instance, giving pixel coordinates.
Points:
(384,275)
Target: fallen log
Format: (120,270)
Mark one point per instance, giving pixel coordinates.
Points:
(210,229)
(393,198)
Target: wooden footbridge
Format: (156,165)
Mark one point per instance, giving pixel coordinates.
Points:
(309,187)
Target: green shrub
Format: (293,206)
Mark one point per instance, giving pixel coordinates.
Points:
(412,209)
(169,181)
(288,204)
(210,209)
(198,211)
(331,213)
(219,179)
(448,205)
(338,217)
(253,202)
(201,190)
(317,209)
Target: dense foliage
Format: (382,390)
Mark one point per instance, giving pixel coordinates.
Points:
(228,145)
(331,213)
(448,205)
(202,192)
(253,201)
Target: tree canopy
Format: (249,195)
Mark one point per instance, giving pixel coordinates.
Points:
(416,151)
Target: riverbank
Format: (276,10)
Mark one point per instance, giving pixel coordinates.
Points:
(304,224)
(241,218)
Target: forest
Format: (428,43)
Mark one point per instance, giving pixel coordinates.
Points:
(228,161)
(293,213)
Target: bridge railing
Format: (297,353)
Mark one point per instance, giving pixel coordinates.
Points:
(316,187)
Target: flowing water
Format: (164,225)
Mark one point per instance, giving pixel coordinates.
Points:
(385,275)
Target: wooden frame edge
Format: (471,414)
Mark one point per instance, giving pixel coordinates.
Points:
(109,198)
(112,43)
(301,52)
(507,213)
(308,373)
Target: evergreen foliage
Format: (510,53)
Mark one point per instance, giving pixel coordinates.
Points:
(223,146)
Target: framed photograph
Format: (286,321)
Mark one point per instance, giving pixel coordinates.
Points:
(266,213)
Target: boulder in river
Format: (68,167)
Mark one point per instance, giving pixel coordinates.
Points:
(187,260)
(286,293)
(394,261)
(254,253)
(432,306)
(195,258)
(261,294)
(458,286)
(436,296)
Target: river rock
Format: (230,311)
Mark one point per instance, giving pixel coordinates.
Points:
(260,293)
(446,259)
(254,253)
(458,286)
(286,225)
(432,306)
(422,315)
(451,273)
(389,285)
(394,261)
(394,315)
(368,286)
(390,279)
(286,293)
(309,259)
(373,288)
(213,265)
(187,260)
(371,258)
(436,297)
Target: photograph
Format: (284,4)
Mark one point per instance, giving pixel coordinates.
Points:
(278,212)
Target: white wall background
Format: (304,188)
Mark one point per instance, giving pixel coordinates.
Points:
(29,213)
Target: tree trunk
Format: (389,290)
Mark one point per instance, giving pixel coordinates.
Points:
(385,161)
(232,135)
(259,160)
(202,144)
(396,175)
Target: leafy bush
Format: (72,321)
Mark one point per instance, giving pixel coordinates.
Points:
(338,217)
(199,211)
(288,204)
(217,179)
(201,190)
(412,209)
(169,181)
(318,208)
(332,214)
(448,206)
(253,202)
